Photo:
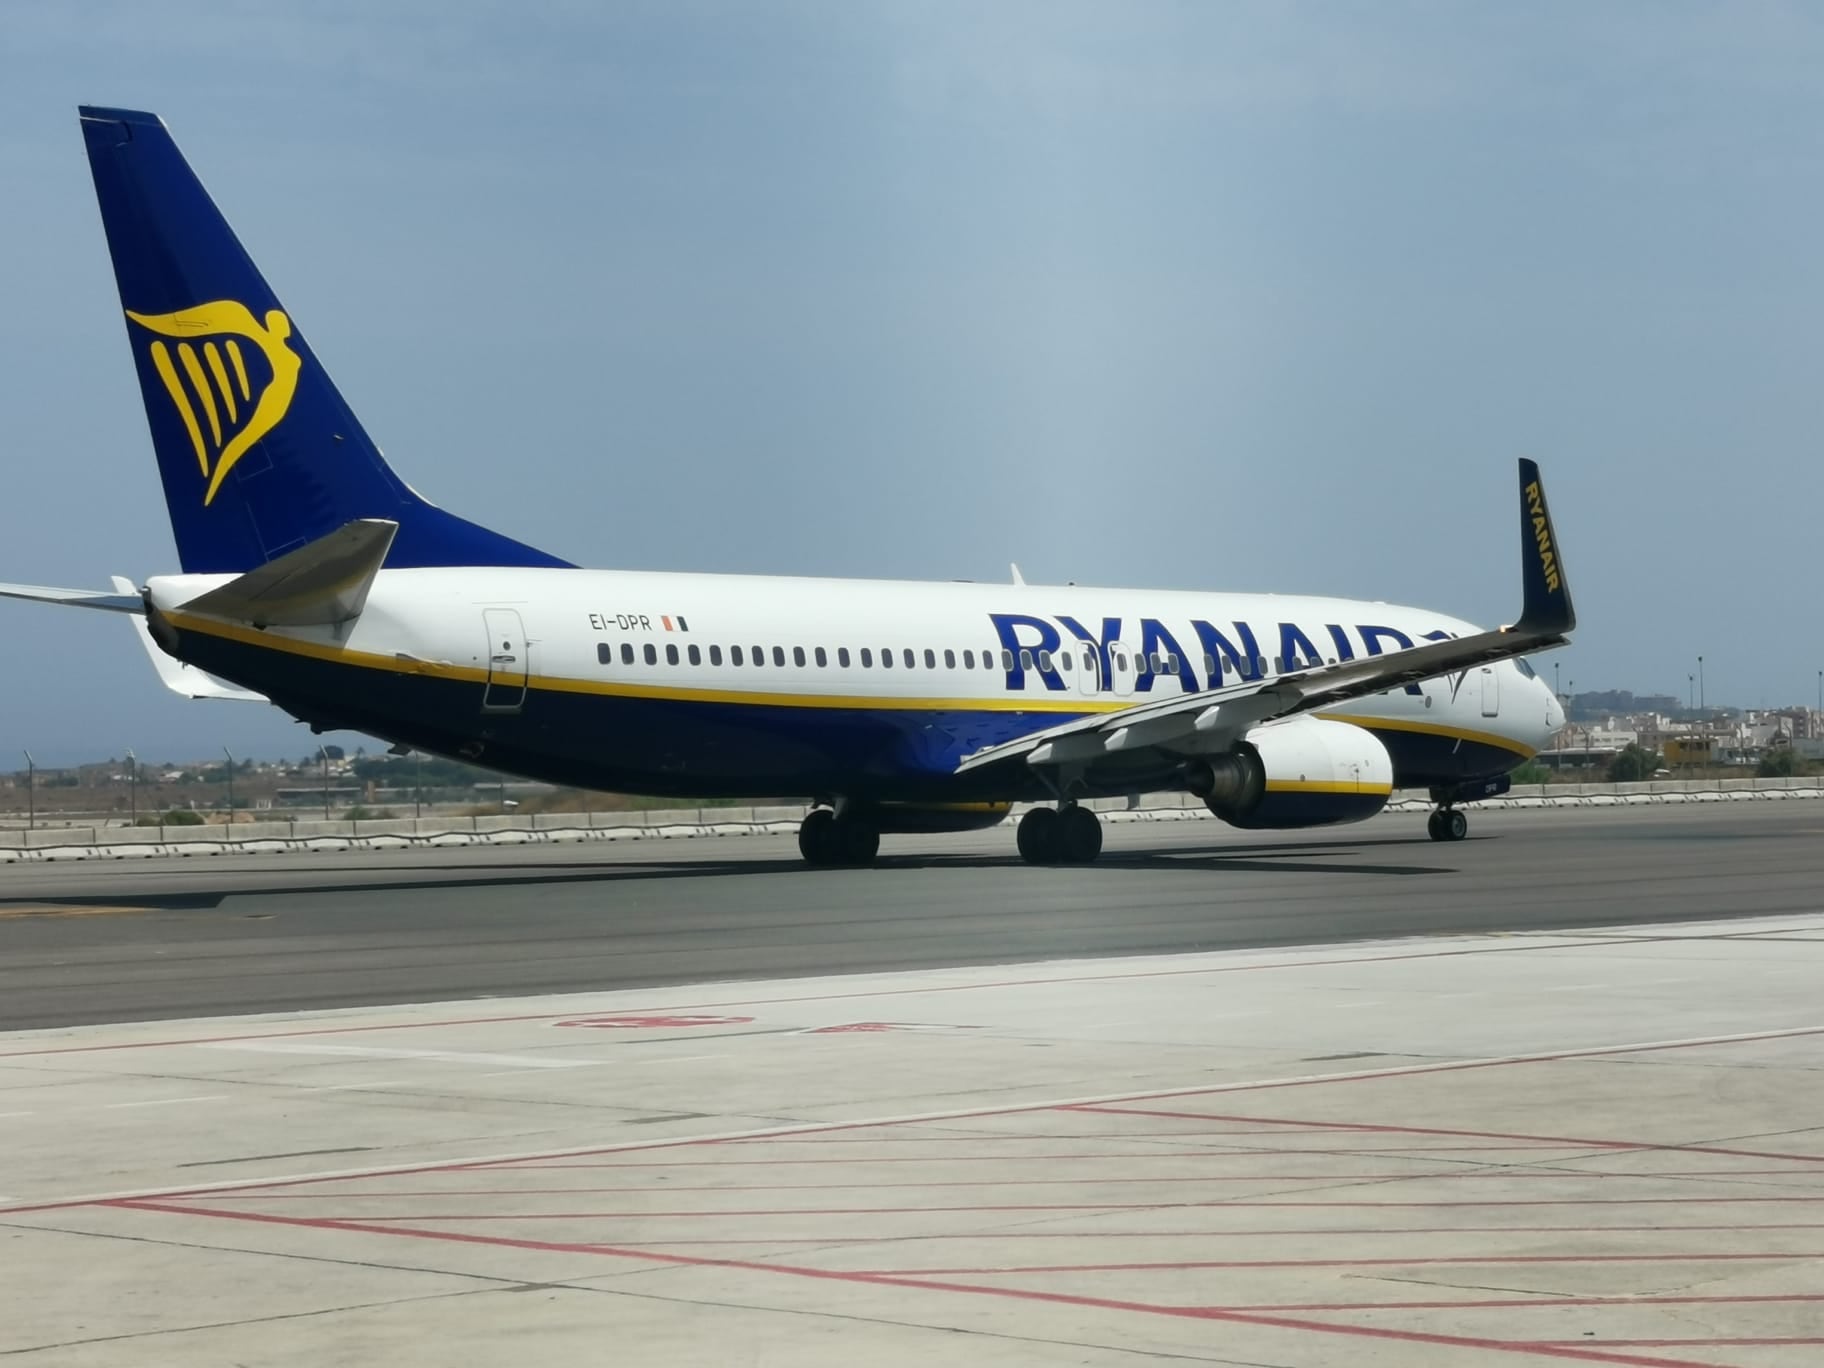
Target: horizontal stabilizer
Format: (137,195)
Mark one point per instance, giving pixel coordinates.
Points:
(126,602)
(185,680)
(321,584)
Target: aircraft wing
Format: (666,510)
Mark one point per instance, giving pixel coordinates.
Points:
(1219,715)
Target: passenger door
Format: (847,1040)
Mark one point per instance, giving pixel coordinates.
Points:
(1491,691)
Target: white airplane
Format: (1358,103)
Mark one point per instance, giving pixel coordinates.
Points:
(313,578)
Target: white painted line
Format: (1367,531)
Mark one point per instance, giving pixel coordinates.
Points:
(356,1087)
(164,1102)
(955,1114)
(380,1052)
(1574,987)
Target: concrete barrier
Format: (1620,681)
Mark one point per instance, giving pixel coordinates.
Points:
(315,834)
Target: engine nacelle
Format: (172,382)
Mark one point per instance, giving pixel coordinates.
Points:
(1300,773)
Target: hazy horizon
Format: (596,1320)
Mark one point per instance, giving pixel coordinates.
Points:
(1249,297)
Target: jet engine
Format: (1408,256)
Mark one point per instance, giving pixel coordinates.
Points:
(1302,772)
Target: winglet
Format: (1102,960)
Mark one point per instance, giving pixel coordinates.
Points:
(1547,607)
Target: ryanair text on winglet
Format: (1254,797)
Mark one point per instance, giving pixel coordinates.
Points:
(1542,535)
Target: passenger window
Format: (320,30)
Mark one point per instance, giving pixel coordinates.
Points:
(798,656)
(1025,660)
(604,653)
(696,656)
(911,660)
(735,657)
(715,655)
(1007,660)
(626,653)
(1066,659)
(842,656)
(652,654)
(949,660)
(886,659)
(867,658)
(822,659)
(671,655)
(1045,661)
(930,658)
(779,656)
(759,656)
(968,660)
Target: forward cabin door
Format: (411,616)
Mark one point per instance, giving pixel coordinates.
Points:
(1088,668)
(507,667)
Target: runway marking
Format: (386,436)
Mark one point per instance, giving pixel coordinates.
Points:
(1582,1353)
(768,1133)
(380,1052)
(163,1102)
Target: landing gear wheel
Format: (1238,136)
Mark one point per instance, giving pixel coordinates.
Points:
(857,840)
(1447,824)
(1037,836)
(817,837)
(1079,836)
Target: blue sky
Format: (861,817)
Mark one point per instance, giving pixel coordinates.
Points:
(1240,296)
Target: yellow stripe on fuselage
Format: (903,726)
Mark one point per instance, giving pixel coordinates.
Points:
(1327,786)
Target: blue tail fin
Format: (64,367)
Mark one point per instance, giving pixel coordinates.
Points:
(258,452)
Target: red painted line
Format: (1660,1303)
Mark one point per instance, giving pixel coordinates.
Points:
(1371,1128)
(1176,1266)
(1578,1353)
(1024,1160)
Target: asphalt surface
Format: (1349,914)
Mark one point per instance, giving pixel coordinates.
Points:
(167,938)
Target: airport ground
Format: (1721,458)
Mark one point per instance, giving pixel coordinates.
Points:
(1546,1095)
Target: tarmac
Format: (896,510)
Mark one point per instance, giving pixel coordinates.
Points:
(1527,1137)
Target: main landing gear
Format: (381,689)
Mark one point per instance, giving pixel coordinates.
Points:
(1067,835)
(828,839)
(1447,824)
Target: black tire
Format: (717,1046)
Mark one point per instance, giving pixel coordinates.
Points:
(817,837)
(1079,836)
(1434,825)
(1455,824)
(857,840)
(1037,836)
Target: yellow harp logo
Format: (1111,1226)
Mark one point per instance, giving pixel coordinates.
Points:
(211,358)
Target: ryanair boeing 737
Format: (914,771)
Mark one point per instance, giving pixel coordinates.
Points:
(314,578)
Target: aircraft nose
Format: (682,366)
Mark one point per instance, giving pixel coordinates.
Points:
(1554,711)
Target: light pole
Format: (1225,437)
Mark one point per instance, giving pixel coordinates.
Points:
(132,788)
(1557,683)
(230,755)
(1690,693)
(1702,705)
(323,755)
(418,778)
(31,788)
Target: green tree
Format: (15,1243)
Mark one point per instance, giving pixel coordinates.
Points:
(1634,763)
(1780,763)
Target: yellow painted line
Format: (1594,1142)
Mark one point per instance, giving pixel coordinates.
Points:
(68,910)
